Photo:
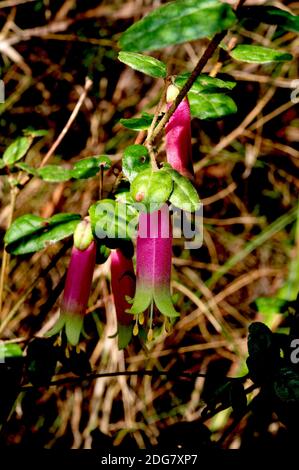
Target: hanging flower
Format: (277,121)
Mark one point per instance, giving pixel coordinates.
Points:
(123,287)
(178,135)
(77,285)
(153,264)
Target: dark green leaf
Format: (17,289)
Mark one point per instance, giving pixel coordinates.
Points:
(41,361)
(144,63)
(9,350)
(204,83)
(177,22)
(269,305)
(271,15)
(259,54)
(184,195)
(2,163)
(152,188)
(286,385)
(124,337)
(35,133)
(135,160)
(211,105)
(89,167)
(238,398)
(27,168)
(138,124)
(17,150)
(31,233)
(54,173)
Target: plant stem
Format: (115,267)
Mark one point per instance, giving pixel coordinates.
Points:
(5,256)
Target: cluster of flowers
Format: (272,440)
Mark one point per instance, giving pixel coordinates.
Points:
(133,293)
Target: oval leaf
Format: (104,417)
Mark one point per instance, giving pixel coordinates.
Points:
(204,83)
(138,124)
(17,150)
(31,233)
(143,63)
(135,160)
(258,54)
(89,167)
(177,22)
(54,173)
(211,105)
(184,195)
(152,188)
(271,15)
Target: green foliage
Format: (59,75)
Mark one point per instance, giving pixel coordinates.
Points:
(258,54)
(30,233)
(143,63)
(17,150)
(152,188)
(184,196)
(177,22)
(111,221)
(211,105)
(204,83)
(54,173)
(90,166)
(271,15)
(135,160)
(138,124)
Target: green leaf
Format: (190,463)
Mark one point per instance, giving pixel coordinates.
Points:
(54,173)
(152,188)
(9,350)
(259,54)
(30,233)
(135,160)
(138,124)
(271,15)
(177,22)
(184,195)
(204,83)
(111,221)
(143,63)
(2,163)
(211,105)
(17,150)
(35,133)
(90,166)
(124,333)
(269,305)
(27,168)
(286,385)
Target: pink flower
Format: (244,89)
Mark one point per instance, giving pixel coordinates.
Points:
(122,283)
(77,286)
(178,136)
(153,263)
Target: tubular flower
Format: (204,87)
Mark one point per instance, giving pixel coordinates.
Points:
(178,135)
(77,285)
(153,264)
(123,286)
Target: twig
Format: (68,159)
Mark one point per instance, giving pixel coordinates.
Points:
(130,373)
(87,86)
(5,256)
(214,43)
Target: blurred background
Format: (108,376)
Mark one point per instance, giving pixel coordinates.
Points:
(247,177)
